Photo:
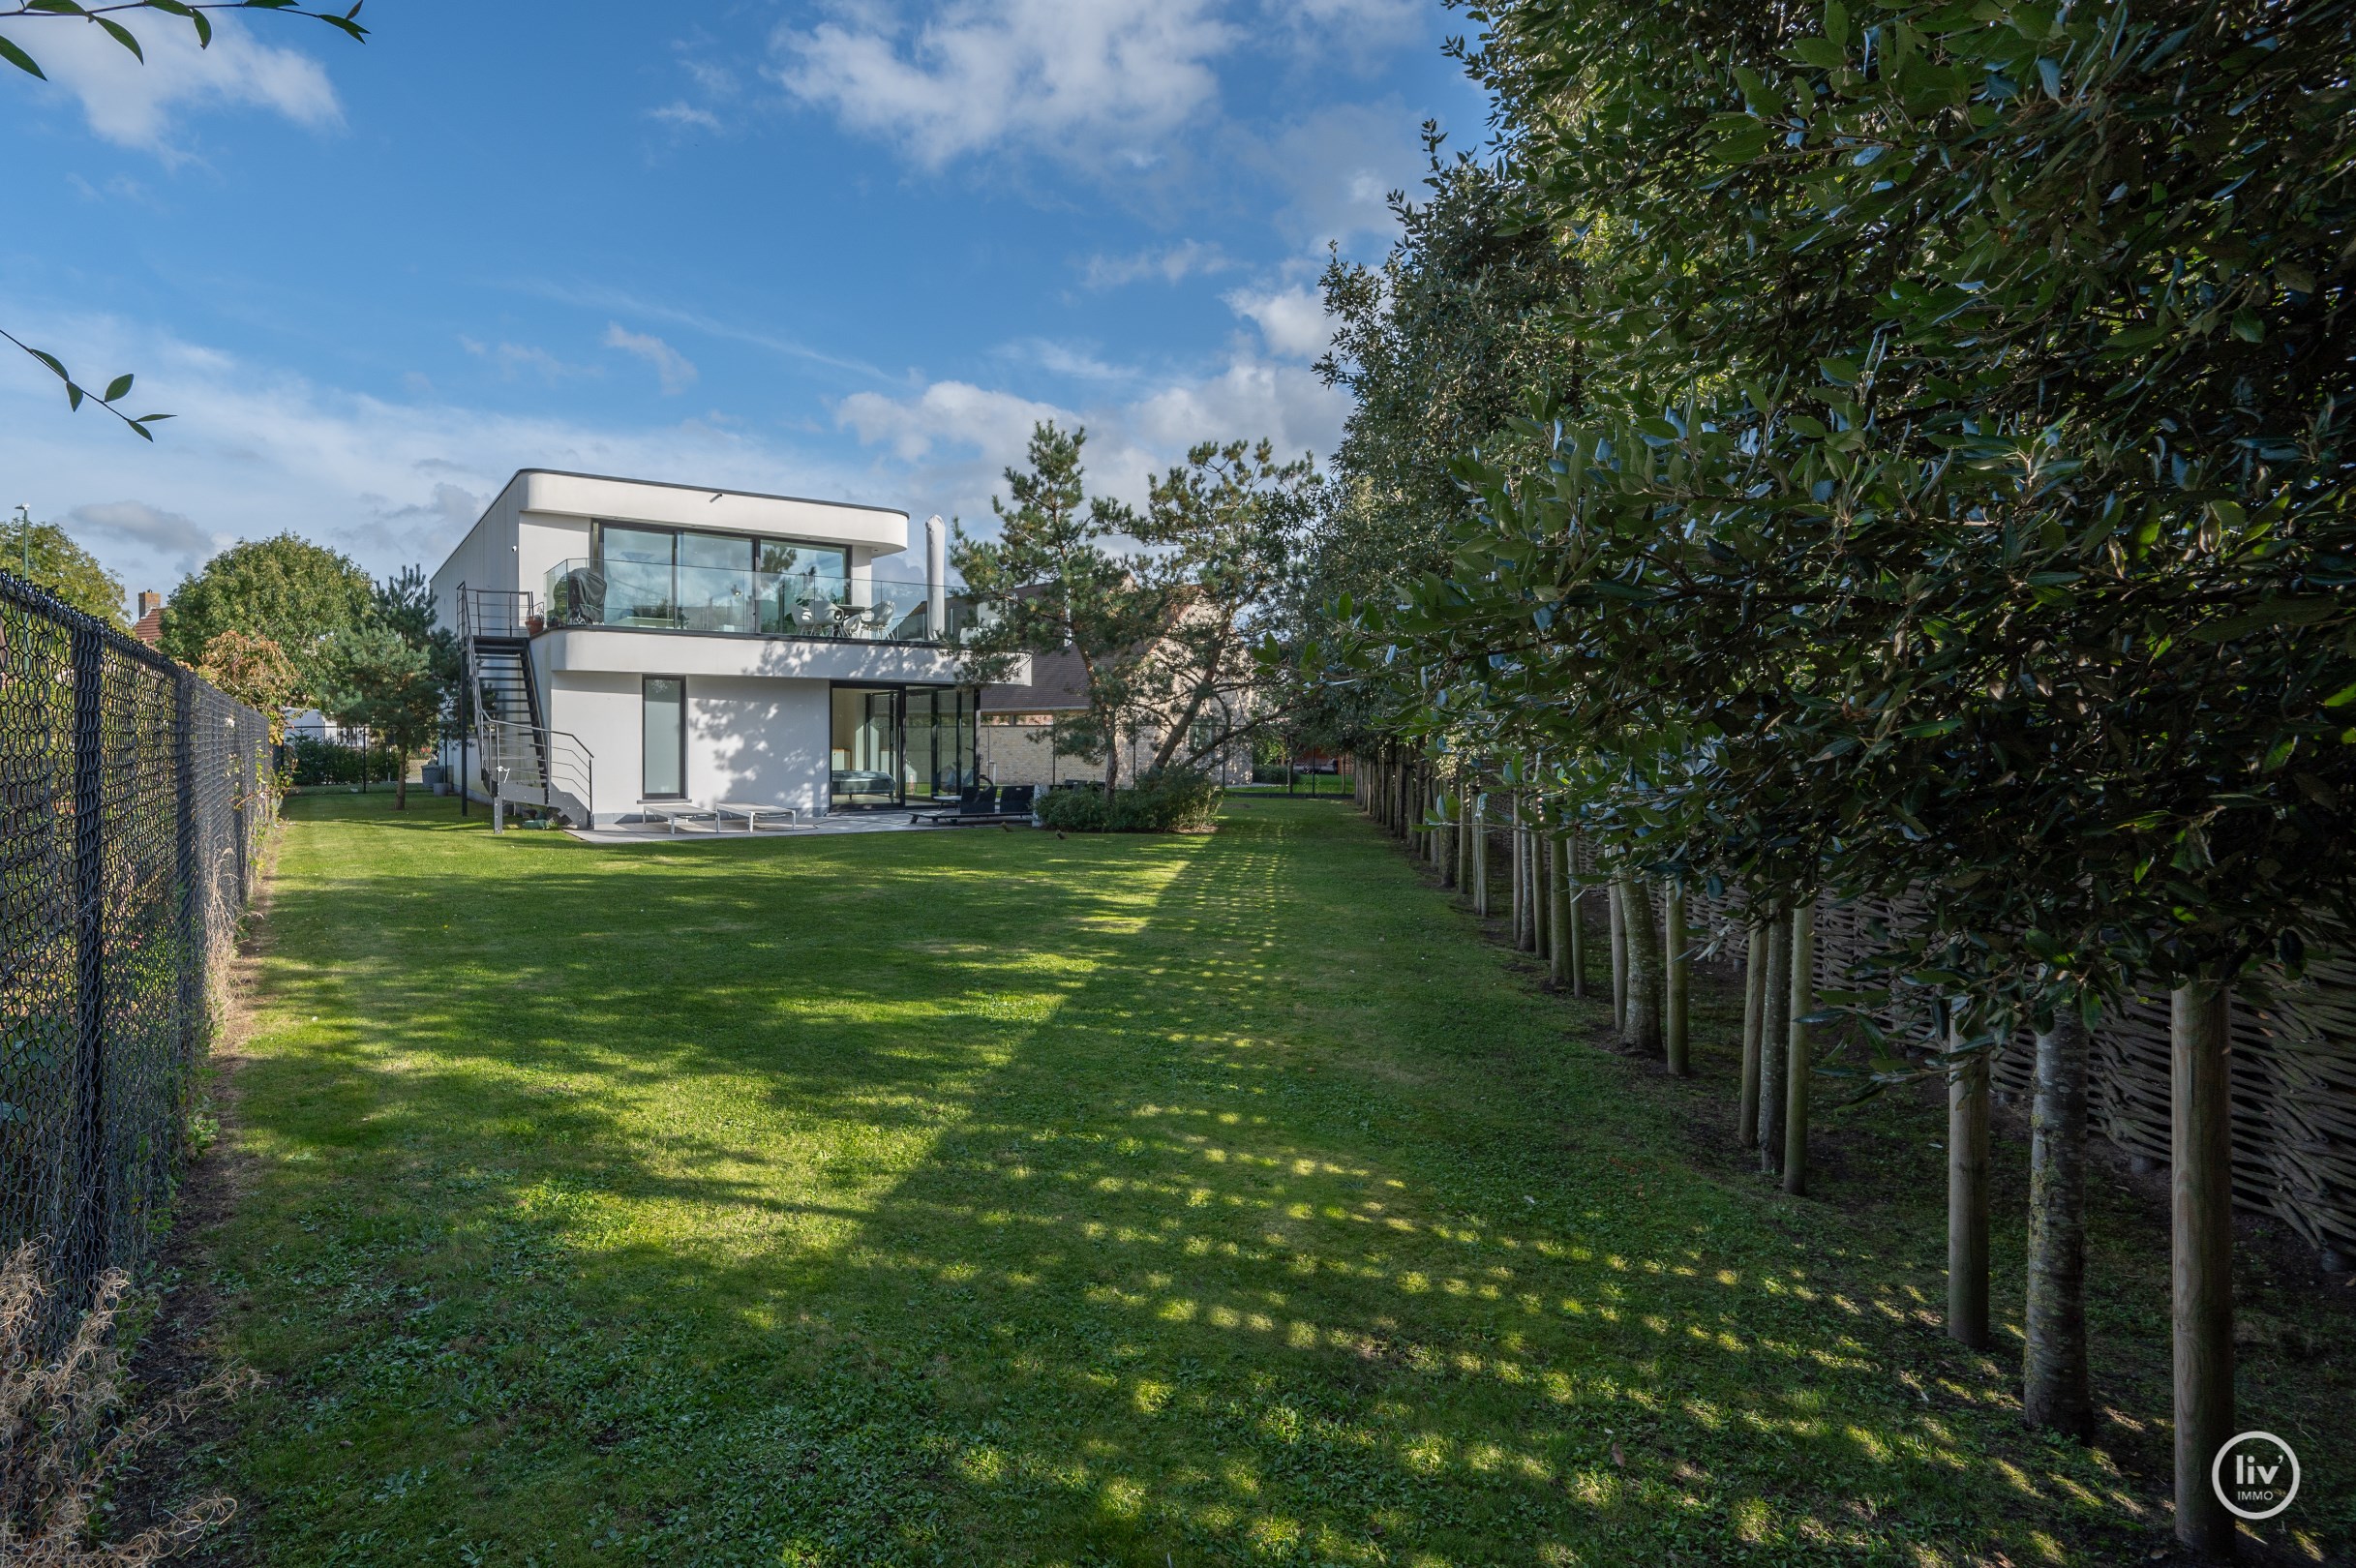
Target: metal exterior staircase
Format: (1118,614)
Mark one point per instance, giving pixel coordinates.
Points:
(523,761)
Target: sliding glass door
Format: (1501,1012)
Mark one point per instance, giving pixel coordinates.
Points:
(893,745)
(865,748)
(940,744)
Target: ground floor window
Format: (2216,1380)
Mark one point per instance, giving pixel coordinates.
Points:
(891,744)
(665,749)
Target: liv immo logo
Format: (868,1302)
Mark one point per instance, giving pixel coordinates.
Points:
(2255,1476)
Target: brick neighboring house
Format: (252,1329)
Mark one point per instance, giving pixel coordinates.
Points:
(1015,737)
(149,627)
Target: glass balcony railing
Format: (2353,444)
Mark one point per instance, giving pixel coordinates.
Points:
(732,599)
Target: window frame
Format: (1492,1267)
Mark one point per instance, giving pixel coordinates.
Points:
(644,754)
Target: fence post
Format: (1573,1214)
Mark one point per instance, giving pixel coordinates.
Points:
(190,1031)
(90,948)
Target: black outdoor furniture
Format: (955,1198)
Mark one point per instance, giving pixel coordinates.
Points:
(969,804)
(583,589)
(985,804)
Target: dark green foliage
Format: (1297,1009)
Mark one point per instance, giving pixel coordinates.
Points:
(1053,581)
(323,761)
(294,592)
(1221,533)
(1172,799)
(64,568)
(1954,489)
(1442,347)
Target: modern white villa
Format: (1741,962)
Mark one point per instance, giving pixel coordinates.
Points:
(637,648)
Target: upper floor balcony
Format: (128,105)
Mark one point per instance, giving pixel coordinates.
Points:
(747,601)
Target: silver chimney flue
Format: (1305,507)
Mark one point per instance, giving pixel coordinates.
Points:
(936,575)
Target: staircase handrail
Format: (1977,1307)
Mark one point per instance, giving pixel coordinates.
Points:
(556,759)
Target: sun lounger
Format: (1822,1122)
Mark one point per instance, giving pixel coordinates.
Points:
(674,815)
(752,811)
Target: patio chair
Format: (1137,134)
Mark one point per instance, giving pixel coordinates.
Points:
(1015,800)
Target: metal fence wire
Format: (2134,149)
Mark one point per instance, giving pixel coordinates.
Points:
(134,800)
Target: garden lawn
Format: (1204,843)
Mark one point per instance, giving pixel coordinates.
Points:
(988,1198)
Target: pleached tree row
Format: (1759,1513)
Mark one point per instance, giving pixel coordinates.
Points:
(1897,459)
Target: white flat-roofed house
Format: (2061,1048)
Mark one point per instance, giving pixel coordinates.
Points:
(635,646)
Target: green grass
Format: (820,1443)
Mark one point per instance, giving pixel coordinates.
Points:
(989,1197)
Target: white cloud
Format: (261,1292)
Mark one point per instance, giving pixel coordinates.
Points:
(1340,166)
(684,114)
(1292,321)
(957,412)
(1170,264)
(140,106)
(1086,81)
(597,297)
(131,527)
(514,358)
(256,451)
(1063,359)
(1354,24)
(952,440)
(670,367)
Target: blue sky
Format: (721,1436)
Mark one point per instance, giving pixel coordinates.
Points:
(831,248)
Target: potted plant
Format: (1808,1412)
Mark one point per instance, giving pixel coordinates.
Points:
(536,623)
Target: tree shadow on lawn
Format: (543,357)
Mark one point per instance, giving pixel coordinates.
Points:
(1004,1199)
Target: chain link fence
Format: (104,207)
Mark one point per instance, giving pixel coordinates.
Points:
(133,801)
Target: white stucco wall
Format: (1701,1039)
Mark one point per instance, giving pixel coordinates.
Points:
(482,558)
(882,530)
(748,737)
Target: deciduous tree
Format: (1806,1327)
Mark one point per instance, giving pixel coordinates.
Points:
(294,592)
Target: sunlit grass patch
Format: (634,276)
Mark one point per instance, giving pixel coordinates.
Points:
(997,1198)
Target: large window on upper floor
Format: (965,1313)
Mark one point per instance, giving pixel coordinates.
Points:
(691,580)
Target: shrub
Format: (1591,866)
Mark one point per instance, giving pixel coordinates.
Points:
(1074,811)
(1165,801)
(326,761)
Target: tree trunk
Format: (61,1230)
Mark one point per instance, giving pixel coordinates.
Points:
(1796,1074)
(1564,950)
(1677,982)
(1774,1028)
(1967,1196)
(400,781)
(1542,895)
(2201,1193)
(1461,844)
(1576,927)
(1643,938)
(2054,1390)
(1519,903)
(1480,857)
(1619,962)
(1754,1019)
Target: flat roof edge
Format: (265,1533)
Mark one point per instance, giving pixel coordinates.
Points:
(703,490)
